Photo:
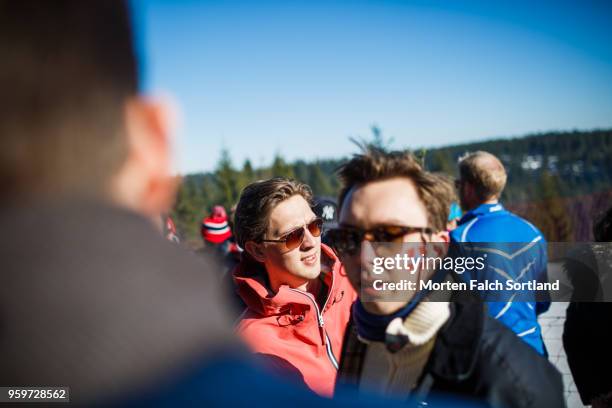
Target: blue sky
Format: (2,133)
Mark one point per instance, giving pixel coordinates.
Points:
(300,78)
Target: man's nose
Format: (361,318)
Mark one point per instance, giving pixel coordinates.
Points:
(309,240)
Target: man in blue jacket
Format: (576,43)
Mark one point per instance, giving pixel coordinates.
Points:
(515,249)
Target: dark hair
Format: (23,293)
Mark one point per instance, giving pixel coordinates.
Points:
(257,201)
(447,183)
(376,164)
(68,67)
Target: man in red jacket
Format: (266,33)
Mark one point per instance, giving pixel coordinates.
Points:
(297,295)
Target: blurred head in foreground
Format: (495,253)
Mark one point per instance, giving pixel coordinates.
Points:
(93,297)
(454,215)
(71,120)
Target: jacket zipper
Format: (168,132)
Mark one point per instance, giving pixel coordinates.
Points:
(324,336)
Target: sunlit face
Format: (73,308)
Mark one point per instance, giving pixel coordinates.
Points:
(297,266)
(387,202)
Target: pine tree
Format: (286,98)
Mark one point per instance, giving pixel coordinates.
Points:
(550,215)
(301,171)
(246,176)
(226,177)
(378,141)
(319,181)
(280,168)
(247,171)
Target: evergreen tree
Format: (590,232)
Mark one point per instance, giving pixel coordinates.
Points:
(301,171)
(280,168)
(246,176)
(247,171)
(378,140)
(227,178)
(188,209)
(319,182)
(550,215)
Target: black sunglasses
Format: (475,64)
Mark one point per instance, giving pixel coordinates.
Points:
(347,240)
(294,239)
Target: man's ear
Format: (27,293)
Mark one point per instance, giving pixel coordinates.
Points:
(440,243)
(470,192)
(145,183)
(442,236)
(254,249)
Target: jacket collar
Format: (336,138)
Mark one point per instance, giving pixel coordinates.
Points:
(481,210)
(458,342)
(253,287)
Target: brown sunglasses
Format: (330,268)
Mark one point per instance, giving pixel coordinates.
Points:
(294,239)
(346,240)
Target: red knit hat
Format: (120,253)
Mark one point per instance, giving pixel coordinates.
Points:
(215,228)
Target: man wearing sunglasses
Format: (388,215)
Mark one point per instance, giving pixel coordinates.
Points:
(416,347)
(297,295)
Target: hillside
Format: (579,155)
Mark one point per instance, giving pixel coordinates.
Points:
(544,172)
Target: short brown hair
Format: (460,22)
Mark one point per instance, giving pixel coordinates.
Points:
(447,184)
(68,68)
(485,172)
(257,201)
(376,164)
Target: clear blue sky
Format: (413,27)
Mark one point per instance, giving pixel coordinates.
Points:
(300,78)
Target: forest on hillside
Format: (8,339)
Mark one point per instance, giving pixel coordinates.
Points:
(550,178)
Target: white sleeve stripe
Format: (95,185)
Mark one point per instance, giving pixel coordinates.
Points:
(526,332)
(504,310)
(467,228)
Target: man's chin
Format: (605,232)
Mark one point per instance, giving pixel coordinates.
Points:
(313,271)
(309,272)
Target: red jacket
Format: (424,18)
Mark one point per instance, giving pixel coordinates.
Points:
(292,328)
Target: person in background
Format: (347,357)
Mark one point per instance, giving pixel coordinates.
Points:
(482,178)
(216,231)
(420,345)
(297,295)
(170,229)
(218,239)
(454,215)
(586,335)
(326,209)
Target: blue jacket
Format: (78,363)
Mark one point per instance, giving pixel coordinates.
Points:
(515,250)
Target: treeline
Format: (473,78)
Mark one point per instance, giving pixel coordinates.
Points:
(199,192)
(570,163)
(541,169)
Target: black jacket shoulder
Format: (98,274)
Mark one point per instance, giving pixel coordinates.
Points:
(477,356)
